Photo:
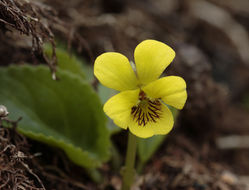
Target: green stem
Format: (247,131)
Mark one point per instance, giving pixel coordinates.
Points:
(129,171)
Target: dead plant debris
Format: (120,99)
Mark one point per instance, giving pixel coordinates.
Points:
(32,19)
(15,172)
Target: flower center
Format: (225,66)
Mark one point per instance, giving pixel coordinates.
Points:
(146,110)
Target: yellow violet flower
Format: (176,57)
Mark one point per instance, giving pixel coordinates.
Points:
(142,102)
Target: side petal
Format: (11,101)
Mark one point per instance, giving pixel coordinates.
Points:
(162,126)
(172,90)
(151,59)
(114,71)
(118,107)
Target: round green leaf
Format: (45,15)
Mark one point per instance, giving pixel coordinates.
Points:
(65,113)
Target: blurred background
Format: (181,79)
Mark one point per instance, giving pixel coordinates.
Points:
(209,147)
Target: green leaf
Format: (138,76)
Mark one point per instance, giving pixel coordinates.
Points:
(74,65)
(147,147)
(65,113)
(66,61)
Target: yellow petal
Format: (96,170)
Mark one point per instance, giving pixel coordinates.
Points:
(162,126)
(151,59)
(172,90)
(118,107)
(114,71)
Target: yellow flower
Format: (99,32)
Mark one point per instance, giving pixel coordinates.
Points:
(142,102)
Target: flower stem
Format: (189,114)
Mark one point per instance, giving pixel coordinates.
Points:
(129,171)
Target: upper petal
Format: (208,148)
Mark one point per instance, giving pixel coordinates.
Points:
(171,89)
(151,59)
(162,126)
(114,71)
(118,107)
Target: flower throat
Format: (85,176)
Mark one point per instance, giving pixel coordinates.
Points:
(146,110)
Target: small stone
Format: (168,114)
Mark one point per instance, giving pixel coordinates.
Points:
(229,178)
(3,111)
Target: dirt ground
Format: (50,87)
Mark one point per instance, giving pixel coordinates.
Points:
(207,150)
